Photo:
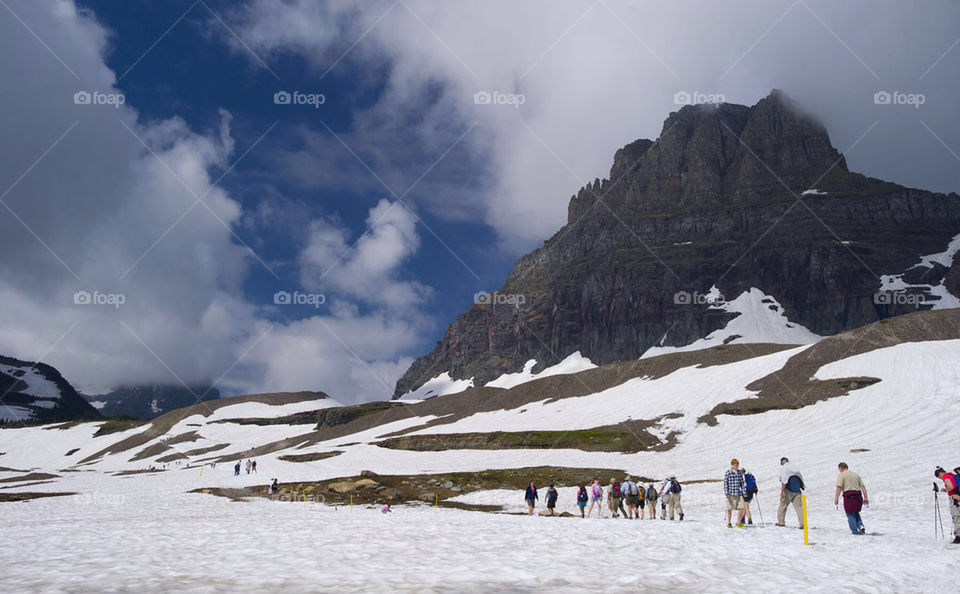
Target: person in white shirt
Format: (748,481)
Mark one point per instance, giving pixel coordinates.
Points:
(791,488)
(670,497)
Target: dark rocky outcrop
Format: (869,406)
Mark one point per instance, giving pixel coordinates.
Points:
(35,393)
(716,200)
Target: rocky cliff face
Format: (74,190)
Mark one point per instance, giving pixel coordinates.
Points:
(150,400)
(37,393)
(724,197)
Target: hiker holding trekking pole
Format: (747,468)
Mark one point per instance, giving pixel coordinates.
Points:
(951,485)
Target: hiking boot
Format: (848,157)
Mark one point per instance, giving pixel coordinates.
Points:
(729,525)
(681,517)
(956,540)
(750,521)
(780,525)
(741,525)
(800,527)
(861,530)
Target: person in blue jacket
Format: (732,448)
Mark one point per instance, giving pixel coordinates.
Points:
(531,496)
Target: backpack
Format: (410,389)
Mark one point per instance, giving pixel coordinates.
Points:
(955,477)
(632,488)
(751,483)
(795,484)
(652,494)
(675,486)
(582,494)
(615,491)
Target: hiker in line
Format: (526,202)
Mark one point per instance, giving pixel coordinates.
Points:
(253,466)
(651,496)
(551,498)
(670,497)
(596,497)
(248,466)
(631,494)
(750,484)
(791,486)
(733,489)
(582,499)
(613,497)
(531,497)
(951,484)
(640,498)
(854,494)
(236,469)
(273,489)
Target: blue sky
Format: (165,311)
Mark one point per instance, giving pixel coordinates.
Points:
(401,195)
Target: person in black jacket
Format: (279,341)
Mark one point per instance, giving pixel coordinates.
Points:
(551,499)
(531,496)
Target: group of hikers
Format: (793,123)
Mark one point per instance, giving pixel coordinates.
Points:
(637,499)
(251,466)
(739,489)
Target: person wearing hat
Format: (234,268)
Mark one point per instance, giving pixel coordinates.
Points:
(670,497)
(631,495)
(791,487)
(614,496)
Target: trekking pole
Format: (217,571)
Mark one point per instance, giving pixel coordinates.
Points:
(936,512)
(757,497)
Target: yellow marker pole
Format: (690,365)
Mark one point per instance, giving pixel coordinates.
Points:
(351,501)
(201,470)
(806,536)
(436,505)
(304,497)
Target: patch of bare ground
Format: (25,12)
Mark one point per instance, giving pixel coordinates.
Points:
(9,497)
(792,387)
(371,488)
(309,457)
(32,476)
(190,453)
(628,437)
(167,444)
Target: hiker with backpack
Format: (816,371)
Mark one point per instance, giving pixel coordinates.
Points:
(582,499)
(651,496)
(631,494)
(670,497)
(951,484)
(640,498)
(596,497)
(531,497)
(750,483)
(551,499)
(734,488)
(614,495)
(791,488)
(855,497)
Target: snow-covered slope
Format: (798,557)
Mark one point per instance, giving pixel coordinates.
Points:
(572,364)
(35,392)
(760,319)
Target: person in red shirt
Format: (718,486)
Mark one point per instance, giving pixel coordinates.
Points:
(951,484)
